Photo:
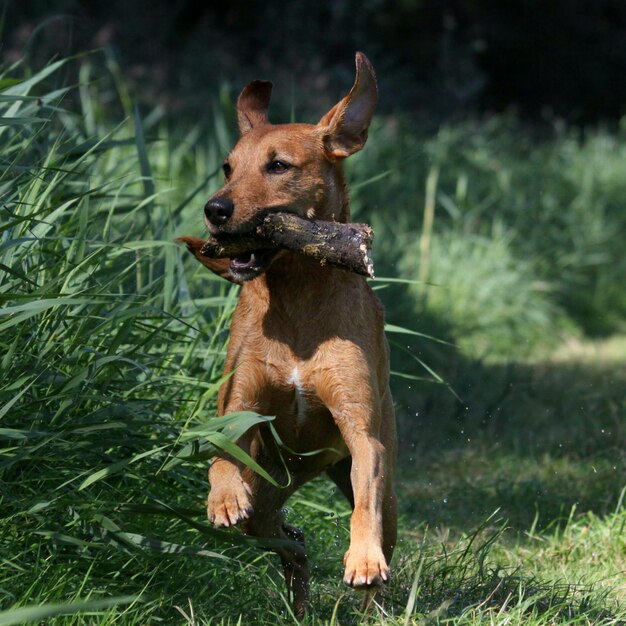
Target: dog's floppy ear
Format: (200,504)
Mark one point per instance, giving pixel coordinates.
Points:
(252,105)
(347,122)
(221,267)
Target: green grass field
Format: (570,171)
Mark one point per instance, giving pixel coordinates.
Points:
(509,366)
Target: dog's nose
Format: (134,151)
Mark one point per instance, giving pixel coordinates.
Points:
(218,210)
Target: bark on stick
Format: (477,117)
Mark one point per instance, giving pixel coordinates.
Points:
(347,246)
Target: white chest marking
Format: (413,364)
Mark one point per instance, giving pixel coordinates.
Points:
(301,407)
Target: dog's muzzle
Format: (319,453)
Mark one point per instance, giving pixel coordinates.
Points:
(249,265)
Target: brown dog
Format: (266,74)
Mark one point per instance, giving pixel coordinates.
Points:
(306,343)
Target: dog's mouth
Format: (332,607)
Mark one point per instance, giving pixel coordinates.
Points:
(249,265)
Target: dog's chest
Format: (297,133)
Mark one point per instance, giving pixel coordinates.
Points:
(303,421)
(300,395)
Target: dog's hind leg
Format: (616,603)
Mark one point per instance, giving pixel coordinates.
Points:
(388,437)
(267,522)
(296,568)
(339,473)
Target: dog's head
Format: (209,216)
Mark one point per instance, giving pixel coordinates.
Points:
(289,167)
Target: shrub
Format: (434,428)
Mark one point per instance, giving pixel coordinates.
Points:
(492,300)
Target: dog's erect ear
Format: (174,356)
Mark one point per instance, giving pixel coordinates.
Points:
(252,105)
(347,122)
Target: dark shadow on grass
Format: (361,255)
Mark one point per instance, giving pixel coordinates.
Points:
(531,438)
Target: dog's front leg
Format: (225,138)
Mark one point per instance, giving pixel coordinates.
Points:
(230,498)
(371,443)
(365,562)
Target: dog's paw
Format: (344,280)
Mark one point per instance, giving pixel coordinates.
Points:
(229,504)
(365,568)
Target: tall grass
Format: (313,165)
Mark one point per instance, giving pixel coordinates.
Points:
(109,366)
(490,298)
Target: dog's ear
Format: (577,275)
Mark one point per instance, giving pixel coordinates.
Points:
(347,122)
(252,105)
(221,267)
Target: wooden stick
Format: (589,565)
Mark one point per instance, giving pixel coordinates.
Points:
(342,245)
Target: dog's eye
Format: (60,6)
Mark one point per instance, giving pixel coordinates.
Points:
(278,167)
(228,170)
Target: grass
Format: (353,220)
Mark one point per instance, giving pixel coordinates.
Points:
(112,345)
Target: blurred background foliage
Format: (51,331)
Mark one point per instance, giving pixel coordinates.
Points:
(435,58)
(517,107)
